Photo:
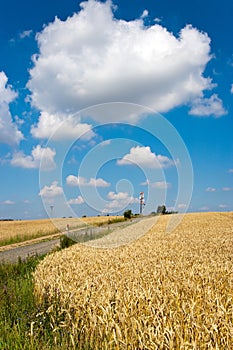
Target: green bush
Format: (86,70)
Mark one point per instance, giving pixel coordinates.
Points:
(66,242)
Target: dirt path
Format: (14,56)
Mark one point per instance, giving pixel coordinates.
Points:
(23,252)
(46,244)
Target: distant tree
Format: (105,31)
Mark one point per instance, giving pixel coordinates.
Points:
(128,214)
(161,209)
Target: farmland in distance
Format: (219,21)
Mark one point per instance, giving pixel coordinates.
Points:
(22,230)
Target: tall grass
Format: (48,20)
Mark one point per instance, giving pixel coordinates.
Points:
(17,304)
(24,323)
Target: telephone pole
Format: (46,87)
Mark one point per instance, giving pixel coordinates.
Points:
(141,201)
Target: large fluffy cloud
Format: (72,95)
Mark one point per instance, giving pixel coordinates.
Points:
(9,132)
(142,156)
(92,58)
(40,157)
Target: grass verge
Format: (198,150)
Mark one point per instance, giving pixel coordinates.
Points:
(24,324)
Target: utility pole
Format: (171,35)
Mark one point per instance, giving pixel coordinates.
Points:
(51,210)
(141,201)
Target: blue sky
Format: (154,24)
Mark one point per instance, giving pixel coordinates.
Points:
(100,101)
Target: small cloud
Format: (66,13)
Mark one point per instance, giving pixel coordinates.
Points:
(72,180)
(230,171)
(8,202)
(232,88)
(145,183)
(26,201)
(72,160)
(40,157)
(48,192)
(78,200)
(160,185)
(157,20)
(118,196)
(25,34)
(204,208)
(210,189)
(204,107)
(157,184)
(145,14)
(118,201)
(142,156)
(182,206)
(227,189)
(223,206)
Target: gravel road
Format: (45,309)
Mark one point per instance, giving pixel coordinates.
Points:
(45,247)
(40,248)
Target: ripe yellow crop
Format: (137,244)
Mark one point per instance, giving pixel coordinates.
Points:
(164,291)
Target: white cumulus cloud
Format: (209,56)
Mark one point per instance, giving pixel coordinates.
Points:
(26,34)
(203,107)
(157,184)
(145,14)
(40,157)
(49,192)
(92,57)
(205,208)
(144,157)
(8,202)
(227,189)
(9,132)
(118,201)
(182,206)
(78,200)
(210,189)
(73,180)
(161,185)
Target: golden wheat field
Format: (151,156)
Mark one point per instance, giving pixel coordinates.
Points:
(164,291)
(27,229)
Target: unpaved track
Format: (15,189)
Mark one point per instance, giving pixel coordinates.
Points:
(12,254)
(40,248)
